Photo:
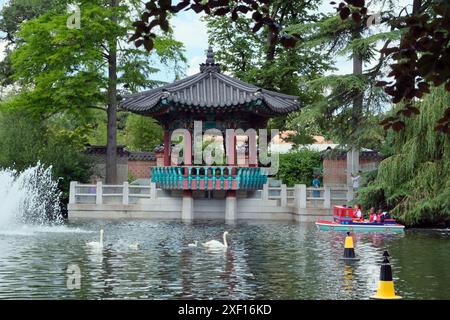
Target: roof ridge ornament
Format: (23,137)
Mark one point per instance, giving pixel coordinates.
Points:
(210,64)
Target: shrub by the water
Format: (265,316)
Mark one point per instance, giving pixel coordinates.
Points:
(297,167)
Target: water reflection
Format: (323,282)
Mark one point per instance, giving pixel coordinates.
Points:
(264,261)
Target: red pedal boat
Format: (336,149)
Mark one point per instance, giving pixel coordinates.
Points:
(344,221)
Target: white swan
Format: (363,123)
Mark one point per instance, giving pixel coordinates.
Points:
(95,244)
(134,246)
(213,244)
(193,244)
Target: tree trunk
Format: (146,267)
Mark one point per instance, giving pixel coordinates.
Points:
(357,113)
(111,146)
(270,55)
(417,6)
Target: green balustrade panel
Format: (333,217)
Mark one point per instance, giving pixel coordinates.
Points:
(205,177)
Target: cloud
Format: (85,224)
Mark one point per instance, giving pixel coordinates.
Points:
(190,30)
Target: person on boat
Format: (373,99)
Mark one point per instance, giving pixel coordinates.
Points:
(383,215)
(373,217)
(316,184)
(358,216)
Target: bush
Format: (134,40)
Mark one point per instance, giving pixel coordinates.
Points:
(297,167)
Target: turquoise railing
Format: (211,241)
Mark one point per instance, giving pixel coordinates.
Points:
(206,178)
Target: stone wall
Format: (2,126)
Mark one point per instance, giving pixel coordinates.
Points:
(335,170)
(140,169)
(99,169)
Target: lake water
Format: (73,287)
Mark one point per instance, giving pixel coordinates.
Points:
(264,261)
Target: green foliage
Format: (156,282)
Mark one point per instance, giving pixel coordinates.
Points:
(26,140)
(62,75)
(299,139)
(17,11)
(350,105)
(251,57)
(142,133)
(297,167)
(66,70)
(415,181)
(19,140)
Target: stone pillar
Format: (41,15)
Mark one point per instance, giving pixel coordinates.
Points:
(265,192)
(300,198)
(231,206)
(327,197)
(352,164)
(349,193)
(187,210)
(99,193)
(283,195)
(153,191)
(125,193)
(72,192)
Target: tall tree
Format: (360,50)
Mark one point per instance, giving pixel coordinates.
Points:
(352,104)
(258,57)
(11,16)
(111,143)
(420,58)
(17,11)
(75,71)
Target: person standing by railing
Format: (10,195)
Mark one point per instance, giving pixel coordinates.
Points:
(356,181)
(316,184)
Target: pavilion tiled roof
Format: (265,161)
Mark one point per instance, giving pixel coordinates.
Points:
(141,156)
(97,150)
(122,152)
(209,89)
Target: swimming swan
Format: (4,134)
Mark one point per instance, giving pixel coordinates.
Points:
(134,246)
(217,244)
(95,244)
(193,244)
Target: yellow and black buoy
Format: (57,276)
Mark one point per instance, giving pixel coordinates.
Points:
(385,284)
(349,249)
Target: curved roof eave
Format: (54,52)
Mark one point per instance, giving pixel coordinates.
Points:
(210,89)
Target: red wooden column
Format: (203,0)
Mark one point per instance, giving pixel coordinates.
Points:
(187,148)
(230,145)
(167,146)
(252,149)
(231,152)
